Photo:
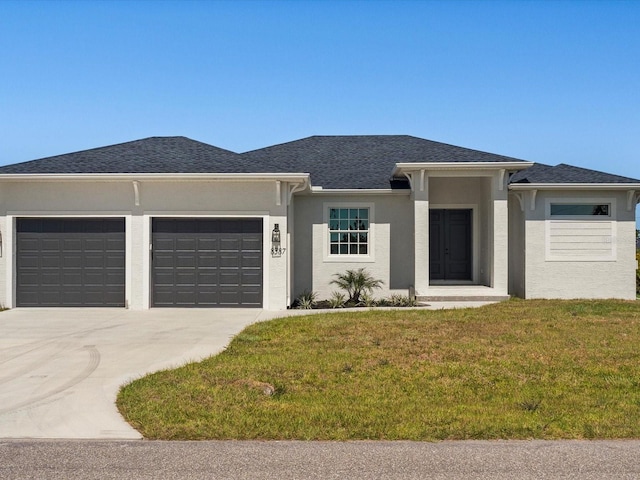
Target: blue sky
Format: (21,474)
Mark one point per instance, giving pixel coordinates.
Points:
(546,81)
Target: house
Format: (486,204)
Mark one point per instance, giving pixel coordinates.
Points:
(172,222)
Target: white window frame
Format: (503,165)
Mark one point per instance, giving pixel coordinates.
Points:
(350,258)
(610,219)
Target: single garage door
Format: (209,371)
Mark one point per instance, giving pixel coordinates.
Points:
(206,262)
(64,262)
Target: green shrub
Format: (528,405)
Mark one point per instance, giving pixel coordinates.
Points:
(306,300)
(337,300)
(356,283)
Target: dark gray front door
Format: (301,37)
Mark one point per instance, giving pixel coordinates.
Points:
(450,244)
(206,262)
(65,262)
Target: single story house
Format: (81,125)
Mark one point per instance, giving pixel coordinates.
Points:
(172,222)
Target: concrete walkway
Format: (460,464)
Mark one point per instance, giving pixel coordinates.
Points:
(61,368)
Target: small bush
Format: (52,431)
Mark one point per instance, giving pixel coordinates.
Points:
(356,283)
(306,300)
(397,300)
(367,300)
(337,300)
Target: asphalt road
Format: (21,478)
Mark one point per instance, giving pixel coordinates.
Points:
(103,459)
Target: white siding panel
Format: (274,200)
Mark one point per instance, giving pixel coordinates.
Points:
(580,240)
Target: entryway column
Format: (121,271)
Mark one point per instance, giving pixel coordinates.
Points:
(500,214)
(421,235)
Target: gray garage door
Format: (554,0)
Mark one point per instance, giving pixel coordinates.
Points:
(62,262)
(206,262)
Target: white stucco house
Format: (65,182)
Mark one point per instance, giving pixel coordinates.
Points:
(172,222)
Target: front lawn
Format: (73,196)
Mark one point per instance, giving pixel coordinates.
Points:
(518,369)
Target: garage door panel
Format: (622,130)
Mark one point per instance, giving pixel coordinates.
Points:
(206,256)
(230,244)
(49,245)
(90,261)
(208,244)
(207,260)
(70,262)
(207,279)
(30,261)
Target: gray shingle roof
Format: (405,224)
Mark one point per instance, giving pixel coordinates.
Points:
(563,173)
(149,155)
(343,162)
(359,161)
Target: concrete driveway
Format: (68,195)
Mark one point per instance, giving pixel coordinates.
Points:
(60,369)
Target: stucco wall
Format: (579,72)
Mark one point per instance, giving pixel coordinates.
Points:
(579,279)
(157,198)
(392,241)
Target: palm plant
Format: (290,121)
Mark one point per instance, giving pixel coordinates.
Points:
(356,283)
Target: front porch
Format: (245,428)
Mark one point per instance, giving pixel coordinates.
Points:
(460,231)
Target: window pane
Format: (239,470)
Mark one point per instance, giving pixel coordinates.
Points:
(363,238)
(344,249)
(579,209)
(353,213)
(335,237)
(364,225)
(363,249)
(353,238)
(333,213)
(344,224)
(353,249)
(364,213)
(344,213)
(344,238)
(334,225)
(334,249)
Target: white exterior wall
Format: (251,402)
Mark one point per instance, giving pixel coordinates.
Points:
(214,198)
(545,278)
(391,243)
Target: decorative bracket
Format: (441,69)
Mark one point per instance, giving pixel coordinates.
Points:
(501,179)
(278,193)
(632,200)
(534,193)
(136,193)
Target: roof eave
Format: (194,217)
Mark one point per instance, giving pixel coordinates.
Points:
(360,191)
(416,166)
(574,186)
(288,177)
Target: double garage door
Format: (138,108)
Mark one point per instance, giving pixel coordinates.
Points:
(194,262)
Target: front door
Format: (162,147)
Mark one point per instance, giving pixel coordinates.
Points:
(450,244)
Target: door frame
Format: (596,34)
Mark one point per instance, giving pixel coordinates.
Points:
(475,241)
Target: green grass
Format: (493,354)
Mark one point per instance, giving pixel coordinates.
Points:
(515,370)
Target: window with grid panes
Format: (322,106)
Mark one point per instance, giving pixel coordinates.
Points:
(349,231)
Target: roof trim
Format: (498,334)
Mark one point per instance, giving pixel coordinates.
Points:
(295,177)
(359,191)
(463,166)
(574,186)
